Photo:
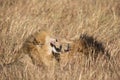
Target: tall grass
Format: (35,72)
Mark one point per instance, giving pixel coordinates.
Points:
(65,19)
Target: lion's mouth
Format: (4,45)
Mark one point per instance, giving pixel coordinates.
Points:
(59,49)
(56,49)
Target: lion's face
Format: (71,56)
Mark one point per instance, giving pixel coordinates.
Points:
(58,47)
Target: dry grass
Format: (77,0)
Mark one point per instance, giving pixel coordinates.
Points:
(65,19)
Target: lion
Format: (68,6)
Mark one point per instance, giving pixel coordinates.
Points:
(87,46)
(42,48)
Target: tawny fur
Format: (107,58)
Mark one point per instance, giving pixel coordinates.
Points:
(37,46)
(88,46)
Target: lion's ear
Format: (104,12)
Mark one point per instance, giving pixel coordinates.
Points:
(32,39)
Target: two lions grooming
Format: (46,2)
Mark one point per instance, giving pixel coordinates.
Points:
(42,48)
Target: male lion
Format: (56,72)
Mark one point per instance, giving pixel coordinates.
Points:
(42,48)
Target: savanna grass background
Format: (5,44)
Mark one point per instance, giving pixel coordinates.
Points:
(65,19)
